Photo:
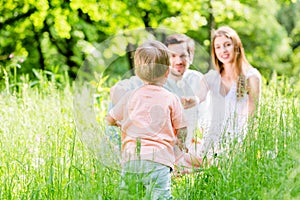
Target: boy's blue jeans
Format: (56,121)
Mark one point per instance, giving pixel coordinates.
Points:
(142,179)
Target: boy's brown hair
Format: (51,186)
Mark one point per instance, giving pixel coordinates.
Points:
(151,61)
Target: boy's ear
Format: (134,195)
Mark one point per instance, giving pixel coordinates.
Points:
(167,73)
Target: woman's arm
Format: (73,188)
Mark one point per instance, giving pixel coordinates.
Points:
(203,86)
(254,89)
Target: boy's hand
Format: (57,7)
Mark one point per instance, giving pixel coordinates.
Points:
(111,121)
(182,147)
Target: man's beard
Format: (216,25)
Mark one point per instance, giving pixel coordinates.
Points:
(176,73)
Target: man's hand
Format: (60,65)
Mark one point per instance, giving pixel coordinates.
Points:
(189,102)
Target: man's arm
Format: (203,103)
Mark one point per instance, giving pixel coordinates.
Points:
(200,88)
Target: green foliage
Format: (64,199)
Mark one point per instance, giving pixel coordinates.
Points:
(266,167)
(64,33)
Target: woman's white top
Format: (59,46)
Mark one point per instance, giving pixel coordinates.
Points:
(225,119)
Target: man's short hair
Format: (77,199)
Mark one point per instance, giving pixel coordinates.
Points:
(181,38)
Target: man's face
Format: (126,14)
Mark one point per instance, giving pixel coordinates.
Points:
(179,57)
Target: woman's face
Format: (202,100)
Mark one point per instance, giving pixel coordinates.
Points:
(224,49)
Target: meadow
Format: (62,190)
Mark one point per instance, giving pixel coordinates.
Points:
(43,156)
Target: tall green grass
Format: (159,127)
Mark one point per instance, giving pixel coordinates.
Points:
(267,166)
(42,155)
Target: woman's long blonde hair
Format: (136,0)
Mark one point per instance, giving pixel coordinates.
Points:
(239,58)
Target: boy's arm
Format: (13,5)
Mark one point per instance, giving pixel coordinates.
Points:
(110,120)
(118,91)
(181,136)
(115,115)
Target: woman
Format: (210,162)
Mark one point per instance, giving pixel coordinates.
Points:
(234,93)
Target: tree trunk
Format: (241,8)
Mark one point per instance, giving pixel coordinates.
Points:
(211,26)
(130,55)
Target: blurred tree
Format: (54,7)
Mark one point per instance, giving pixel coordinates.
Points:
(58,35)
(289,16)
(265,41)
